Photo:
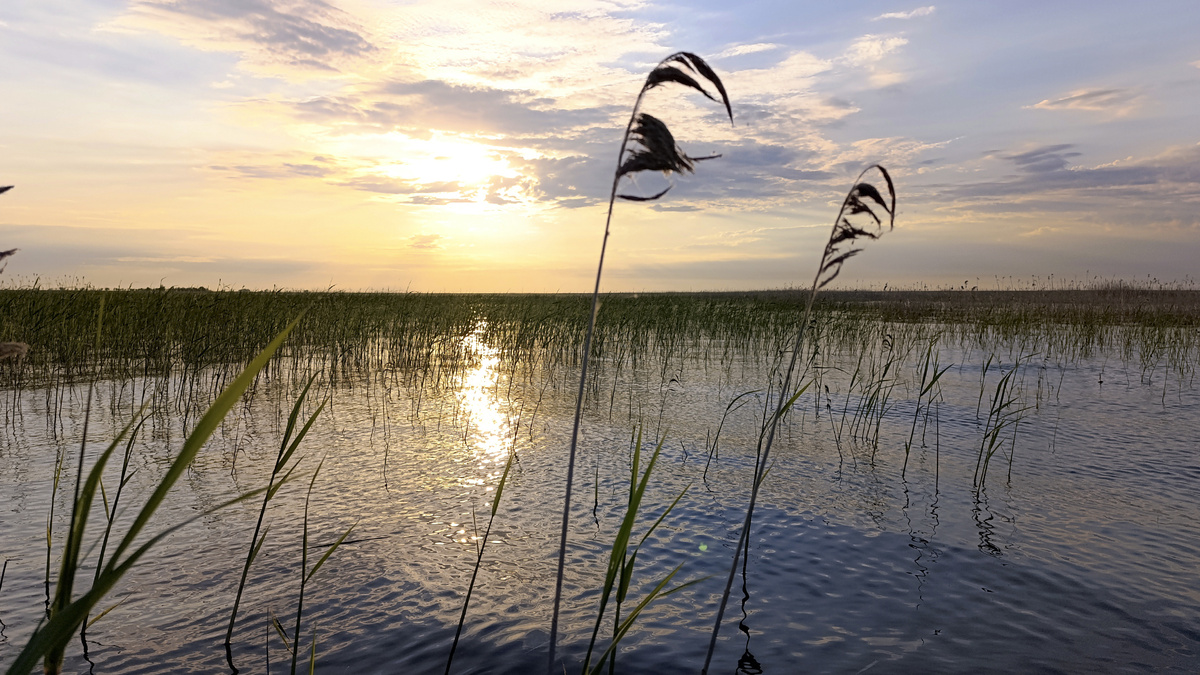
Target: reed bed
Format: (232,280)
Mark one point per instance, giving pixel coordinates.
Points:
(197,338)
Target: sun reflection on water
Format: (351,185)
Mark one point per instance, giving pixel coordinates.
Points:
(490,429)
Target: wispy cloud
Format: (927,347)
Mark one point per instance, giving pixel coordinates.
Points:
(305,35)
(1116,101)
(920,11)
(870,49)
(739,50)
(1043,159)
(166,259)
(1167,183)
(872,52)
(425,241)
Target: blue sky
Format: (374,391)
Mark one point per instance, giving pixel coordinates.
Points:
(469,146)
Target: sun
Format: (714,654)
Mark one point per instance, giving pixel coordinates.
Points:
(447,159)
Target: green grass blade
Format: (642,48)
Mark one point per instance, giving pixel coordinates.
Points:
(110,608)
(333,547)
(61,627)
(199,436)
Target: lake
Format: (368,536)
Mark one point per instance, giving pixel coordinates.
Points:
(1077,551)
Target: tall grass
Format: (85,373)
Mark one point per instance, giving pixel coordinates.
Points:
(931,373)
(306,574)
(622,560)
(67,612)
(654,150)
(857,222)
(482,546)
(280,474)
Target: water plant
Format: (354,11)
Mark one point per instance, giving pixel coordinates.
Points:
(482,545)
(306,575)
(287,449)
(68,613)
(1005,413)
(857,222)
(930,374)
(654,150)
(621,563)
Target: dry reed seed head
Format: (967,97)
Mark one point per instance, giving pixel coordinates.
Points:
(13,350)
(658,151)
(699,66)
(858,219)
(5,255)
(5,188)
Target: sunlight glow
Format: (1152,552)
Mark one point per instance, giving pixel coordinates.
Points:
(446,159)
(490,427)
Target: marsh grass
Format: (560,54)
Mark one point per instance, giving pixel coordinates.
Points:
(482,546)
(622,559)
(281,473)
(1004,415)
(633,336)
(67,613)
(306,575)
(931,373)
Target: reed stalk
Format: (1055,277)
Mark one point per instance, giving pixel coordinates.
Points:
(479,552)
(307,574)
(621,561)
(861,200)
(287,448)
(657,152)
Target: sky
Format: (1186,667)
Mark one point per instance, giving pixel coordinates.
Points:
(470,146)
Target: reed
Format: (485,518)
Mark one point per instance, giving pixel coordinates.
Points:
(481,547)
(1005,414)
(857,222)
(622,560)
(68,613)
(930,374)
(306,575)
(280,474)
(654,150)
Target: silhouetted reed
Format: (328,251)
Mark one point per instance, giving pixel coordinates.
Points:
(654,149)
(857,222)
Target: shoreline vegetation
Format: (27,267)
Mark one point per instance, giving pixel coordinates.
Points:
(171,331)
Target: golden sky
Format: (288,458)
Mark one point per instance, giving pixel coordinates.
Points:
(469,146)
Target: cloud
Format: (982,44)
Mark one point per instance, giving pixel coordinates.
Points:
(871,49)
(422,106)
(425,200)
(1163,188)
(166,259)
(425,241)
(870,52)
(1043,159)
(739,50)
(1118,102)
(273,170)
(383,185)
(920,11)
(303,34)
